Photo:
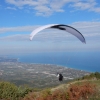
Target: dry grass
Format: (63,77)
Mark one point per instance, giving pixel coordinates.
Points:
(76,92)
(83,91)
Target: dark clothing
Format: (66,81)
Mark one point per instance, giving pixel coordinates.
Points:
(60,77)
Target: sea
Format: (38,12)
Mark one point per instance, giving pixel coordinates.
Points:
(87,61)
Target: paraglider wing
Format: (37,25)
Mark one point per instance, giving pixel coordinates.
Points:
(34,32)
(66,28)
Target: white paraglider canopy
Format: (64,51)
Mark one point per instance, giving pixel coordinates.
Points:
(63,27)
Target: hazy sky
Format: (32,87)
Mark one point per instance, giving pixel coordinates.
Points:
(18,18)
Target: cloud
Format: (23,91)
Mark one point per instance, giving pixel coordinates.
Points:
(11,8)
(43,11)
(88,28)
(39,6)
(17,29)
(48,7)
(16,37)
(90,5)
(44,36)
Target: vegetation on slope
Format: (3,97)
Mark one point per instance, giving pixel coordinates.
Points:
(86,88)
(95,75)
(9,91)
(77,91)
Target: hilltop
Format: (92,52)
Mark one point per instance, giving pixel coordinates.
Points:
(85,88)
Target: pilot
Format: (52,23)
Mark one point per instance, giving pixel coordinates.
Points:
(60,76)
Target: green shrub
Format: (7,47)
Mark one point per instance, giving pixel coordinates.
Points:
(23,90)
(92,75)
(9,91)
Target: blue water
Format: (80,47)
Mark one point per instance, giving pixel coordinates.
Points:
(88,61)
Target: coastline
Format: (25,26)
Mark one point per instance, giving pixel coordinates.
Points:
(87,62)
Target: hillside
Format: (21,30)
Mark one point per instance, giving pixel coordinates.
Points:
(76,90)
(87,88)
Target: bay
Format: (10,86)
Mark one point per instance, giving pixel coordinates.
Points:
(88,61)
